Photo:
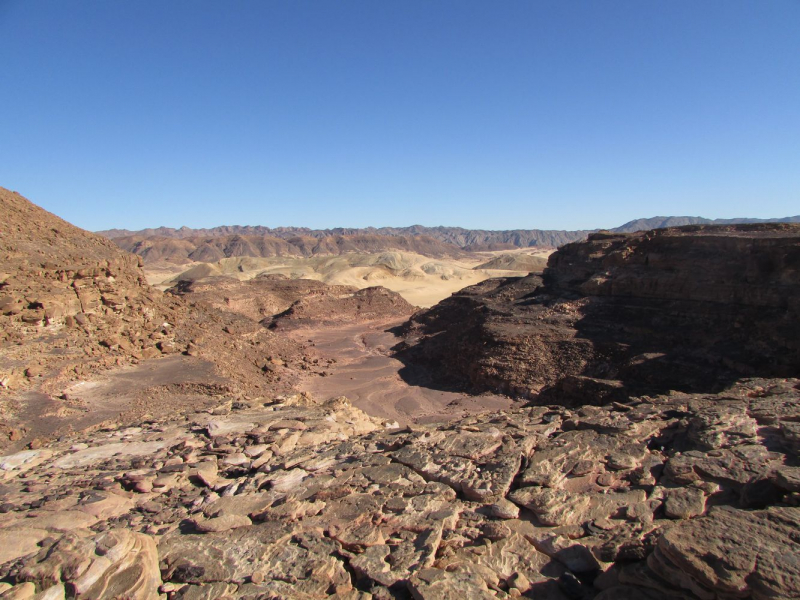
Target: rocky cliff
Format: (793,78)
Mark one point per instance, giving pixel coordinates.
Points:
(689,308)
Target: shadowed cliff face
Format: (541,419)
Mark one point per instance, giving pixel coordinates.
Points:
(689,308)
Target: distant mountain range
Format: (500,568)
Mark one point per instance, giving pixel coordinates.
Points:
(661,222)
(208,245)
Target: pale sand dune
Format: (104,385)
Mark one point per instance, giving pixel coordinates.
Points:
(421,280)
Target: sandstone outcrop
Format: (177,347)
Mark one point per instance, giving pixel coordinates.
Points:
(259,298)
(340,304)
(679,496)
(280,302)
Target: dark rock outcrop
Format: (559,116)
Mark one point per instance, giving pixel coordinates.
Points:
(342,304)
(691,309)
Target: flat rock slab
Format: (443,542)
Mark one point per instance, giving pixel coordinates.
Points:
(95,454)
(736,553)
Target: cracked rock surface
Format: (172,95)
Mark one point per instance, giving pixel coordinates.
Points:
(683,496)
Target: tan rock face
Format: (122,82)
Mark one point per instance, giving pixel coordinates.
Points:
(73,306)
(109,565)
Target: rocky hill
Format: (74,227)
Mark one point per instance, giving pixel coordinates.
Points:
(179,250)
(515,262)
(69,299)
(281,303)
(689,308)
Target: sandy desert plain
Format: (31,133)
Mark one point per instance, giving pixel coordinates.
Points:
(421,280)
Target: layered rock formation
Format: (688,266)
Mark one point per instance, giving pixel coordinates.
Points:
(691,308)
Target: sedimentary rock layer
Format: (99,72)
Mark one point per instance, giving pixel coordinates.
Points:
(690,308)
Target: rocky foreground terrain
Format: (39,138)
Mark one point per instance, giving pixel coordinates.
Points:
(647,464)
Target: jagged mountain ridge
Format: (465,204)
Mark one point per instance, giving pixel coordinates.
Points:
(166,244)
(213,248)
(663,222)
(460,236)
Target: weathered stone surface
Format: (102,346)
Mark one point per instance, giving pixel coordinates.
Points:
(559,507)
(480,467)
(735,553)
(436,584)
(20,541)
(219,524)
(684,503)
(218,557)
(115,564)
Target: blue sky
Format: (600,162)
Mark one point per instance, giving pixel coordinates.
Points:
(323,113)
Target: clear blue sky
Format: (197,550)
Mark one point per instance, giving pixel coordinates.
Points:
(513,114)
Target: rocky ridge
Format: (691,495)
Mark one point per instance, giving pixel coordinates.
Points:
(209,249)
(691,308)
(152,243)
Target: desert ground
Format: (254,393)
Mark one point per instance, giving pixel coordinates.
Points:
(421,280)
